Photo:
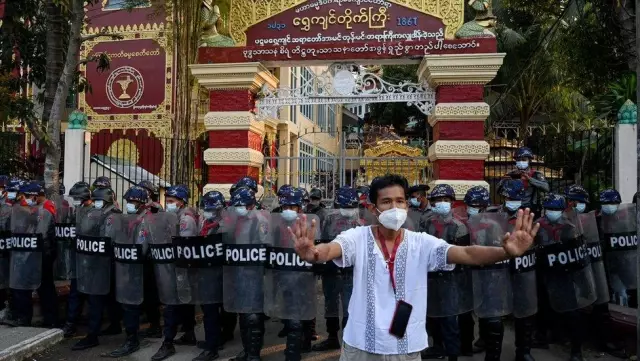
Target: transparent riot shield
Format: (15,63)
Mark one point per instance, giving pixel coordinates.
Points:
(337,283)
(94,252)
(245,257)
(566,270)
(620,243)
(27,245)
(5,244)
(594,249)
(290,285)
(162,227)
(65,242)
(450,292)
(492,293)
(199,263)
(129,246)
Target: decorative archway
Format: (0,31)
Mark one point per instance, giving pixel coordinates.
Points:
(243,92)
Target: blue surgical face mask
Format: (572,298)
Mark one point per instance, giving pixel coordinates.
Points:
(208,215)
(414,202)
(31,202)
(289,215)
(513,205)
(172,207)
(472,211)
(522,164)
(348,212)
(131,208)
(77,203)
(12,196)
(242,211)
(609,209)
(98,204)
(580,207)
(442,208)
(553,216)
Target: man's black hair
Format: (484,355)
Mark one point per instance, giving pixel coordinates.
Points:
(385,182)
(420,189)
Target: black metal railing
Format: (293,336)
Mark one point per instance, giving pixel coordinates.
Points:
(584,157)
(127,159)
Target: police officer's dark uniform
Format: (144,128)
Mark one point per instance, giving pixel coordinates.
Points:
(535,184)
(151,303)
(137,199)
(82,203)
(104,201)
(22,298)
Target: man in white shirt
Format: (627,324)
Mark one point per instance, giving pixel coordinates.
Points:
(390,272)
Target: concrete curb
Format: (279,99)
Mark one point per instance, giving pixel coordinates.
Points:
(31,346)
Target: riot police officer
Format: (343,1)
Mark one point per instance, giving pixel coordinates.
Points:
(523,276)
(289,285)
(13,198)
(337,283)
(567,283)
(418,207)
(614,218)
(154,196)
(151,304)
(476,201)
(130,247)
(243,282)
(282,190)
(446,286)
(82,203)
(212,206)
(33,254)
(176,199)
(577,198)
(315,205)
(534,182)
(94,266)
(5,232)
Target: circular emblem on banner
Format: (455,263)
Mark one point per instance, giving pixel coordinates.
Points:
(125,87)
(344,82)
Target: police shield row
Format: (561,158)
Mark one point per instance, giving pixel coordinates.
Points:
(568,256)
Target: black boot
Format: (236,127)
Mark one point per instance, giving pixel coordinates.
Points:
(294,341)
(524,338)
(68,330)
(493,338)
(432,353)
(188,339)
(86,343)
(331,343)
(207,356)
(255,337)
(131,345)
(311,325)
(242,355)
(167,349)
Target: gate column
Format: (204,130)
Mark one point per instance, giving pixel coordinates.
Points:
(235,136)
(459,149)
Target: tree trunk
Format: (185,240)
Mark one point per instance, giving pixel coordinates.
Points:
(53,151)
(55,56)
(626,18)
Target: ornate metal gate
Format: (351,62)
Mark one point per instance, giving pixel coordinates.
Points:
(329,173)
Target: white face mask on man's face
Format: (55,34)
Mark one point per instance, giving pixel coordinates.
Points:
(393,218)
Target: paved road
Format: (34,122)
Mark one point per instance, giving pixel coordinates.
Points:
(272,351)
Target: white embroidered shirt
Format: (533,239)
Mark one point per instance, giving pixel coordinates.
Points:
(373,301)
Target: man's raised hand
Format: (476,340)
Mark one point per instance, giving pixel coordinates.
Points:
(303,238)
(520,239)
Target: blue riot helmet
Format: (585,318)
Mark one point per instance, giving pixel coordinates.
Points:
(212,201)
(476,199)
(438,197)
(243,200)
(554,205)
(151,188)
(136,196)
(577,197)
(174,195)
(101,182)
(513,192)
(346,197)
(610,200)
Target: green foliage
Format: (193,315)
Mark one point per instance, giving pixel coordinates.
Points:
(607,104)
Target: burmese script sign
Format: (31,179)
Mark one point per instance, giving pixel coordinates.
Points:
(345,22)
(345,30)
(135,82)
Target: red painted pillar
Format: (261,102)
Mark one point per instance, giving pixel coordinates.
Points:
(235,135)
(459,149)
